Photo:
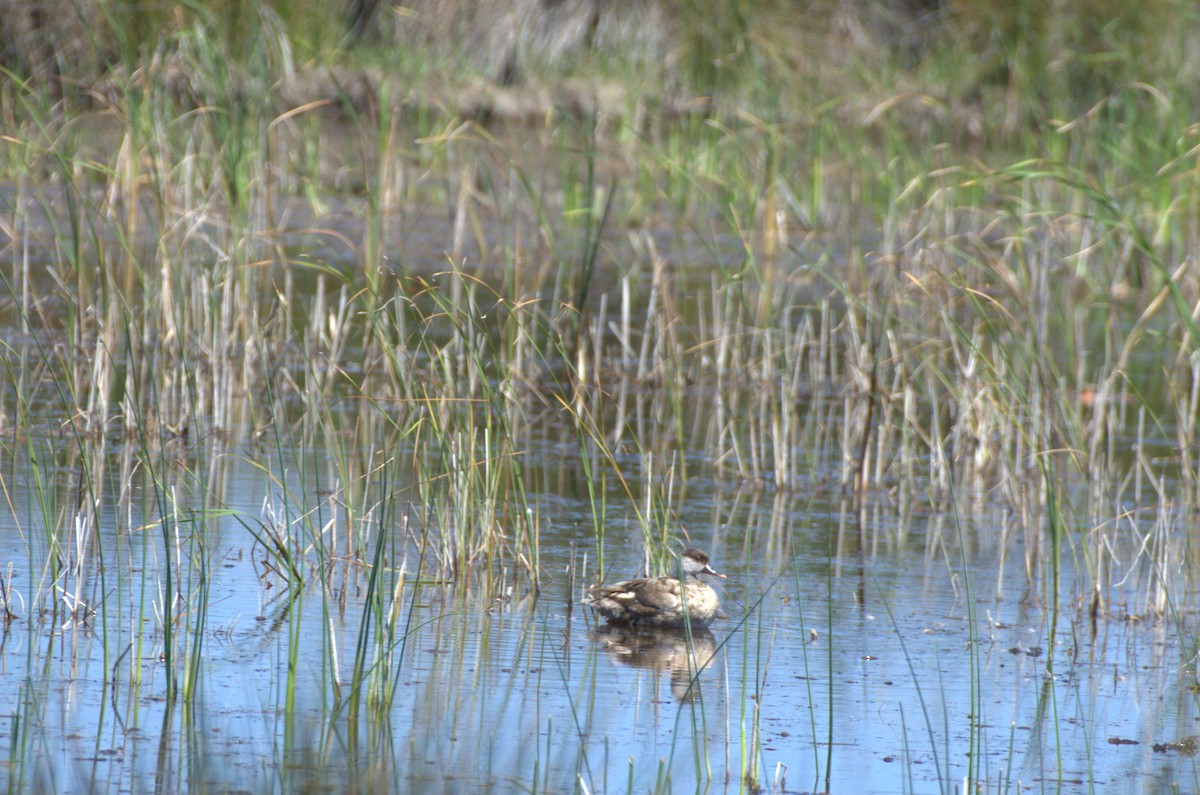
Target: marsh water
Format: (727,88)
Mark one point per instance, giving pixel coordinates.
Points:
(854,657)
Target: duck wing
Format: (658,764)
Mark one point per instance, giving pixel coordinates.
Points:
(646,596)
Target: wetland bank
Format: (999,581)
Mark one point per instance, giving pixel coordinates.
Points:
(343,356)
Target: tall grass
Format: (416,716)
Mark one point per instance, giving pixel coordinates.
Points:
(941,341)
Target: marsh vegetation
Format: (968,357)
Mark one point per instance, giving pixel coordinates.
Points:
(339,362)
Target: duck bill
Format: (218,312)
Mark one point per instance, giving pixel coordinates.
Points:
(710,570)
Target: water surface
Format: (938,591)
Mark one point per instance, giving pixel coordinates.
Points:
(858,655)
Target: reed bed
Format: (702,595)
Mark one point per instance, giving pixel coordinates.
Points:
(951,361)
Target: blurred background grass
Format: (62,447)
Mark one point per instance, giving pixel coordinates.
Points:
(965,72)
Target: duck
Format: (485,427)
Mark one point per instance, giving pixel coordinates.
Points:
(666,602)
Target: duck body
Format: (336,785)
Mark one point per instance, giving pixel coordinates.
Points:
(667,602)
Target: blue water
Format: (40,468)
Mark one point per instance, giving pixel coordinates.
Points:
(870,658)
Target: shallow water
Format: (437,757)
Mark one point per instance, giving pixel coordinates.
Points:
(863,657)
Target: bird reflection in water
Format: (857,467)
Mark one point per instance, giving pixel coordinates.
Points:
(661,650)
